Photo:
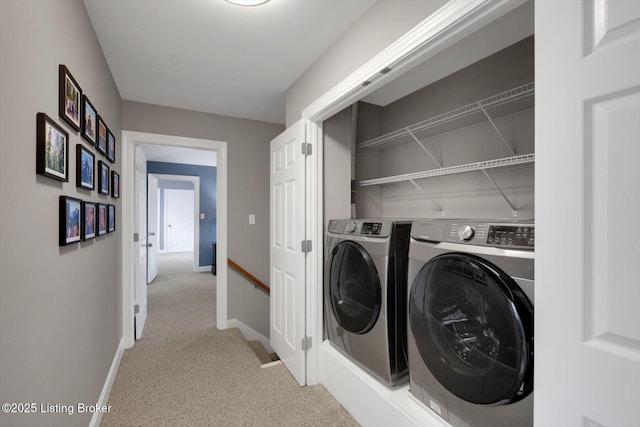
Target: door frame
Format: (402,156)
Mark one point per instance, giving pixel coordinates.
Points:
(196,215)
(448,25)
(129,140)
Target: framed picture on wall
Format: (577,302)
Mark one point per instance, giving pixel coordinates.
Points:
(89,121)
(102,219)
(115,184)
(111,217)
(52,149)
(102,136)
(111,146)
(103,177)
(85,164)
(70,98)
(89,221)
(70,220)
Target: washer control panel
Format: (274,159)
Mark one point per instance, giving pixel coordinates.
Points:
(511,235)
(515,236)
(360,228)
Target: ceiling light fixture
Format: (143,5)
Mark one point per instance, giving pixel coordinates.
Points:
(248,2)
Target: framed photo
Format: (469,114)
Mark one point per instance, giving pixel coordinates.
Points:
(70,99)
(89,121)
(111,146)
(103,177)
(89,221)
(111,216)
(102,219)
(102,136)
(70,220)
(85,165)
(115,184)
(52,150)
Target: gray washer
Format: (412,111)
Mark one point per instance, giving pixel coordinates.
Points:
(365,294)
(470,315)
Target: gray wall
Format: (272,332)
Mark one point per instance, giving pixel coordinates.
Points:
(247,193)
(383,23)
(60,317)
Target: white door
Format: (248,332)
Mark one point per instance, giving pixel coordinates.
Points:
(152,228)
(287,200)
(140,248)
(587,355)
(179,220)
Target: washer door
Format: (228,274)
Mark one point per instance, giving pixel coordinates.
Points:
(355,290)
(473,327)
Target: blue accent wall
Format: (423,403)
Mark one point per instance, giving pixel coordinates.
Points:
(208,200)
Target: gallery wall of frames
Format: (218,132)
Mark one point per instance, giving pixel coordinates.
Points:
(79,220)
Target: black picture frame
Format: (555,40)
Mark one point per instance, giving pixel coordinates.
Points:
(111,218)
(115,185)
(89,212)
(103,177)
(70,98)
(101,143)
(85,168)
(89,121)
(111,146)
(52,149)
(70,220)
(101,226)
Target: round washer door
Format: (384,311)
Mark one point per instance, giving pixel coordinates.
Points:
(473,328)
(354,290)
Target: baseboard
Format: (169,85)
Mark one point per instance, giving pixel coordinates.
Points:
(367,400)
(203,269)
(106,389)
(250,334)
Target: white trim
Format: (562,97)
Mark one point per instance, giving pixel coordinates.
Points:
(108,384)
(204,269)
(250,334)
(129,140)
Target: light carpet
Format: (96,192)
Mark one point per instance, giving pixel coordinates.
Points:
(185,372)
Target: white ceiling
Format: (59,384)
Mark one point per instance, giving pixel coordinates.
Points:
(215,57)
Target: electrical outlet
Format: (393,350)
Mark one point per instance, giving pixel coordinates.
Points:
(202,215)
(252,219)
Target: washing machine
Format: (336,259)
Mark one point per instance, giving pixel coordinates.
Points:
(470,315)
(365,290)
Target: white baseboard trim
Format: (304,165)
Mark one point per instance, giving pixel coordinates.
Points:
(250,334)
(367,400)
(106,389)
(203,269)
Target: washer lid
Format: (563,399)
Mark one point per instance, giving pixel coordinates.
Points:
(473,328)
(355,290)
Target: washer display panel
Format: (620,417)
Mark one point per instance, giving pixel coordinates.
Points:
(472,327)
(355,290)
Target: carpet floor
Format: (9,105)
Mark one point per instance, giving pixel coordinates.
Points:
(185,372)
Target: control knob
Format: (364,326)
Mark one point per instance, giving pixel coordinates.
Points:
(466,233)
(350,227)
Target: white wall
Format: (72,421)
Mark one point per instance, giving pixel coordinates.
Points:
(59,306)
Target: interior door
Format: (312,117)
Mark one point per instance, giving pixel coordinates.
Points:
(288,282)
(152,228)
(587,294)
(179,220)
(140,244)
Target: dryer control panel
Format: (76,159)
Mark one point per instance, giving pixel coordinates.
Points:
(516,236)
(370,228)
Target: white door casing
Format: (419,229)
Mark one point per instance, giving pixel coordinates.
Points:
(179,220)
(287,232)
(140,246)
(152,227)
(587,325)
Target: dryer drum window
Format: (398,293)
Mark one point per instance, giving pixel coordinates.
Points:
(355,289)
(469,330)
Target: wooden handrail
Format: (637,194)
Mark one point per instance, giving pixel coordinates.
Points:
(248,275)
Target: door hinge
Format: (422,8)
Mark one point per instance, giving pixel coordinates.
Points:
(306,343)
(136,237)
(307,149)
(136,309)
(306,246)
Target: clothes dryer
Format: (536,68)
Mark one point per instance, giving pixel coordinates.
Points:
(365,294)
(471,321)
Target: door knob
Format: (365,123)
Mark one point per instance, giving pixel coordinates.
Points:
(149,245)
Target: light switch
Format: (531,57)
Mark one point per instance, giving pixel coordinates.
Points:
(201,215)
(252,219)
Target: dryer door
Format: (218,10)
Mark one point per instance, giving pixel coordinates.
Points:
(354,290)
(473,328)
